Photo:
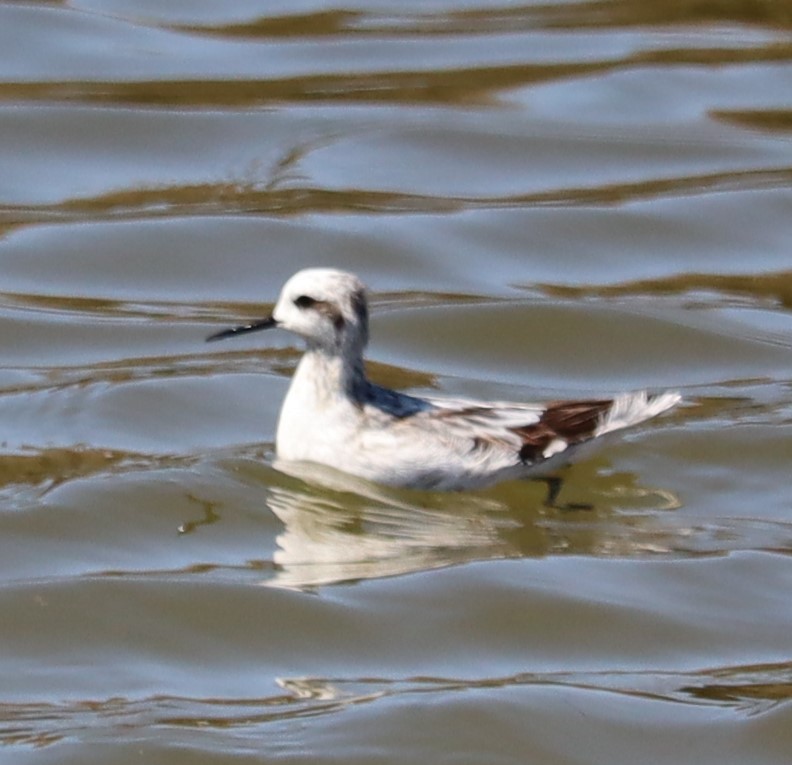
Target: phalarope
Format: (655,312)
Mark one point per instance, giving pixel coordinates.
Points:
(334,416)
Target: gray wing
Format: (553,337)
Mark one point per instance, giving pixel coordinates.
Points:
(530,432)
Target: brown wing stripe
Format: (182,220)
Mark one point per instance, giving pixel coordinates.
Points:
(572,421)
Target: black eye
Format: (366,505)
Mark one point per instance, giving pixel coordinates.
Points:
(304,301)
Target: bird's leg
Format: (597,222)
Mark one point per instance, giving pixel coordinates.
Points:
(554,484)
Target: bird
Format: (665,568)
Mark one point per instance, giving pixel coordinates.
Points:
(334,416)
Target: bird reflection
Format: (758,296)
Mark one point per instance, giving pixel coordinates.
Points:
(338,528)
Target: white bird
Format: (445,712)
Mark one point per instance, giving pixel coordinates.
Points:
(334,416)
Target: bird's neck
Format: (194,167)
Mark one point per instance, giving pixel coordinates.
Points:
(325,376)
(326,395)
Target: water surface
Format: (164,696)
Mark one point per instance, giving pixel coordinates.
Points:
(547,200)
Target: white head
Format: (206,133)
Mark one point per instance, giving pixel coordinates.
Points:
(328,308)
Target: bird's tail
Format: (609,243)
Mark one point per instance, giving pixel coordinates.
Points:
(632,408)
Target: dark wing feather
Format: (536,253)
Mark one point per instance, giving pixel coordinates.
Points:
(570,421)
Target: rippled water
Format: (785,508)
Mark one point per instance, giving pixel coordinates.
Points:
(547,200)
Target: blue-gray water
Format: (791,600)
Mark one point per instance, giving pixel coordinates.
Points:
(547,200)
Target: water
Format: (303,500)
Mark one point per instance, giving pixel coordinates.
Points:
(547,200)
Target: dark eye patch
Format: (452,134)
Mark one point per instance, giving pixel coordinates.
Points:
(304,301)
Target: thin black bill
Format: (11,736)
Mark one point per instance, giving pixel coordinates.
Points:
(267,323)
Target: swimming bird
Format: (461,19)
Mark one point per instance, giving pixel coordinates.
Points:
(334,416)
